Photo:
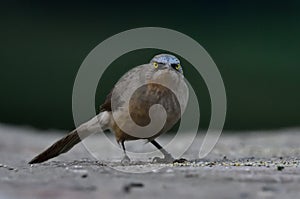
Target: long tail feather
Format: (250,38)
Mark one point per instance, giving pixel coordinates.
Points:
(63,145)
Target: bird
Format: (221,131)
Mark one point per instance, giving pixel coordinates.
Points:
(152,82)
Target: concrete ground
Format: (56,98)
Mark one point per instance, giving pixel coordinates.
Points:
(260,164)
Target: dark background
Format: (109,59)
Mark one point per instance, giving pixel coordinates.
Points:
(255,45)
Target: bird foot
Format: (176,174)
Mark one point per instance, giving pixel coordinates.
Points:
(125,160)
(166,159)
(181,160)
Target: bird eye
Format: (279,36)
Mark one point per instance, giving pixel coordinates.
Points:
(155,65)
(176,66)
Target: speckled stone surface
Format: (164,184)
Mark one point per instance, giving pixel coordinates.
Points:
(258,164)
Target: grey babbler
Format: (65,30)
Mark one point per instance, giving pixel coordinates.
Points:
(129,110)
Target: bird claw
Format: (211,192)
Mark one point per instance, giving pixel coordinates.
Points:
(125,160)
(166,159)
(181,160)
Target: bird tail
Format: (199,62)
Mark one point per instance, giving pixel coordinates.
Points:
(96,124)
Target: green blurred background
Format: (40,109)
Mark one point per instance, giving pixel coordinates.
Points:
(255,46)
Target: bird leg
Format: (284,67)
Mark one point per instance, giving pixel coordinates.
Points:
(168,158)
(126,159)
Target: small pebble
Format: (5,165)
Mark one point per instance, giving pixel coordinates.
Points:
(84,175)
(280,168)
(127,188)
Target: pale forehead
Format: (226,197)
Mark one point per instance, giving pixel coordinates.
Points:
(166,59)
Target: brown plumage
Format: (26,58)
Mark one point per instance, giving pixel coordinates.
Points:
(59,147)
(140,102)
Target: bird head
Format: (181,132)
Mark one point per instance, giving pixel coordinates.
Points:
(166,61)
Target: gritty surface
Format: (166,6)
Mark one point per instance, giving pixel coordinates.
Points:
(262,164)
